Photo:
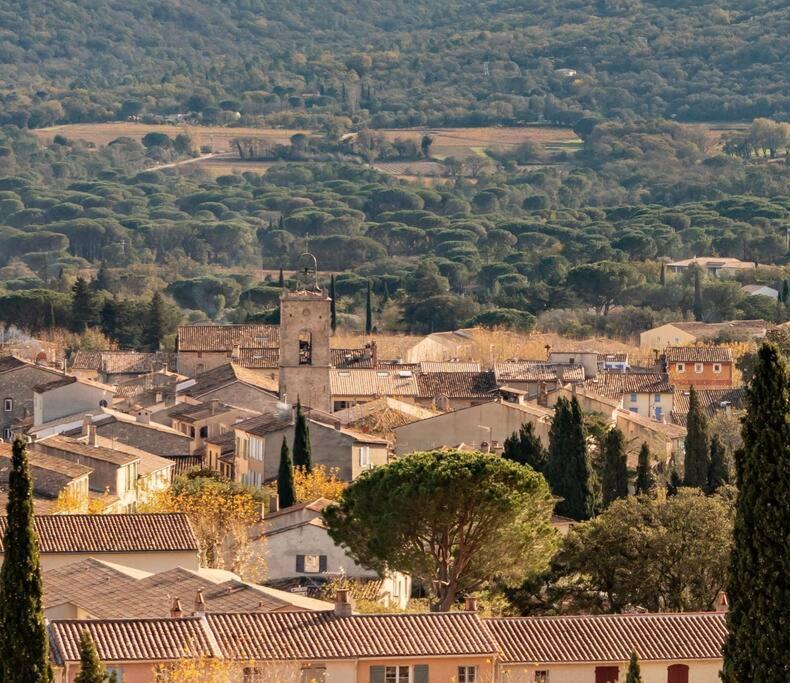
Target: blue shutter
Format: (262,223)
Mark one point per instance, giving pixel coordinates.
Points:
(300,564)
(376,674)
(420,673)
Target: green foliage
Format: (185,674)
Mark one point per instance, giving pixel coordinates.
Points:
(614,480)
(697,443)
(302,449)
(645,480)
(568,468)
(24,645)
(91,669)
(502,511)
(759,640)
(634,673)
(285,478)
(719,469)
(525,448)
(84,306)
(504,318)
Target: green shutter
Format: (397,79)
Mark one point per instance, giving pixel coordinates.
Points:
(420,673)
(376,674)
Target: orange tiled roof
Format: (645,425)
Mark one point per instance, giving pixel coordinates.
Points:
(456,384)
(225,337)
(615,384)
(698,354)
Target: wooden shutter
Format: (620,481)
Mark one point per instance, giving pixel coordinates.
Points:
(376,674)
(322,563)
(420,673)
(300,563)
(607,674)
(678,673)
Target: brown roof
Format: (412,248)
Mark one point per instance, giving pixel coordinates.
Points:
(267,423)
(619,357)
(381,382)
(456,384)
(63,381)
(322,635)
(83,450)
(192,412)
(615,384)
(49,473)
(710,400)
(126,533)
(698,354)
(225,375)
(352,358)
(259,358)
(122,362)
(610,638)
(537,371)
(325,587)
(128,640)
(11,363)
(225,337)
(448,366)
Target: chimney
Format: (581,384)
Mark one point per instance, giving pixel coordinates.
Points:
(337,425)
(235,354)
(143,417)
(721,603)
(343,607)
(485,447)
(470,604)
(200,604)
(175,609)
(86,425)
(214,405)
(92,436)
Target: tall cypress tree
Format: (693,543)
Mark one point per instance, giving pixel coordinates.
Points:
(663,275)
(369,311)
(333,305)
(697,459)
(24,651)
(697,307)
(634,674)
(285,478)
(525,448)
(614,482)
(102,280)
(645,481)
(568,469)
(758,589)
(91,669)
(156,324)
(302,450)
(84,306)
(718,470)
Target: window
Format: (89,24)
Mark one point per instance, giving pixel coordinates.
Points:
(698,367)
(680,367)
(204,432)
(396,674)
(633,398)
(657,398)
(659,414)
(717,368)
(117,670)
(310,564)
(467,674)
(364,456)
(192,432)
(541,677)
(305,348)
(399,674)
(8,404)
(7,434)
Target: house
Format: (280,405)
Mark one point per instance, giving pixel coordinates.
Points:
(220,454)
(203,420)
(297,546)
(711,401)
(350,387)
(67,395)
(455,390)
(232,384)
(709,367)
(58,485)
(588,359)
(646,393)
(684,333)
(154,390)
(97,589)
(15,343)
(485,423)
(17,380)
(665,440)
(672,648)
(613,362)
(204,347)
(139,431)
(442,346)
(713,265)
(151,542)
(535,376)
(381,416)
(259,440)
(760,290)
(113,367)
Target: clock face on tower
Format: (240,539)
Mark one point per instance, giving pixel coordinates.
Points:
(305,312)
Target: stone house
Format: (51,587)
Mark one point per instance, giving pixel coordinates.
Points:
(537,377)
(645,393)
(201,348)
(230,383)
(17,380)
(60,398)
(113,367)
(201,421)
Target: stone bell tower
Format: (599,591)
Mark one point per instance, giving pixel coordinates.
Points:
(305,358)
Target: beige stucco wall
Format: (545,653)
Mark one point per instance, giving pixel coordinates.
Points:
(149,562)
(663,336)
(68,400)
(493,421)
(192,363)
(646,404)
(652,672)
(440,669)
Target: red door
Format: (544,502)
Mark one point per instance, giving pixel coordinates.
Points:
(678,673)
(606,674)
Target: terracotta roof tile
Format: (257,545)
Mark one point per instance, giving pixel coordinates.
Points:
(610,638)
(698,354)
(84,450)
(124,533)
(373,382)
(259,358)
(616,384)
(225,337)
(322,635)
(11,363)
(457,384)
(261,425)
(122,362)
(353,358)
(711,401)
(537,371)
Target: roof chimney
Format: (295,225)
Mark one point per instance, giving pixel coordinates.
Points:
(175,609)
(721,603)
(343,607)
(470,604)
(86,425)
(200,604)
(92,436)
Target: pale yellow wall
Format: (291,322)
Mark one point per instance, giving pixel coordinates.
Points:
(440,670)
(663,336)
(646,404)
(133,672)
(706,671)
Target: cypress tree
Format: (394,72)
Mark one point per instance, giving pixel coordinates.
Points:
(24,651)
(91,669)
(697,462)
(369,311)
(697,305)
(645,481)
(663,276)
(758,589)
(785,292)
(155,329)
(568,468)
(84,307)
(718,470)
(634,674)
(281,281)
(302,450)
(102,280)
(614,482)
(525,448)
(333,305)
(674,482)
(285,478)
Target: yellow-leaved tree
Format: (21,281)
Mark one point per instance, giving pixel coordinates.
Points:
(320,482)
(210,670)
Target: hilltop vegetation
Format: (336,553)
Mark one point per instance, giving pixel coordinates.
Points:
(392,63)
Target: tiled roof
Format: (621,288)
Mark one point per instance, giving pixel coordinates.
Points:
(373,383)
(225,337)
(613,357)
(710,400)
(616,384)
(11,363)
(67,468)
(50,474)
(122,362)
(610,638)
(227,374)
(671,431)
(62,381)
(184,463)
(755,328)
(537,371)
(326,587)
(192,412)
(259,358)
(322,635)
(83,450)
(449,366)
(267,423)
(352,358)
(129,640)
(456,384)
(698,354)
(125,533)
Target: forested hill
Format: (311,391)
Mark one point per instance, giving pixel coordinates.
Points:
(393,62)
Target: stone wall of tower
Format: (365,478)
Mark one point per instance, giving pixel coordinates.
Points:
(305,358)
